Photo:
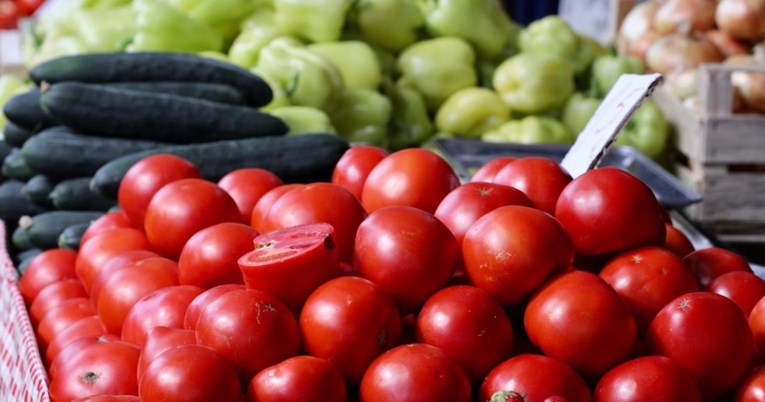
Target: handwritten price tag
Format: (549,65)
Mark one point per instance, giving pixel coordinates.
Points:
(614,111)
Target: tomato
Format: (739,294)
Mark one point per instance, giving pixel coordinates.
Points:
(315,203)
(125,259)
(470,201)
(708,335)
(607,210)
(145,178)
(537,377)
(469,326)
(100,368)
(160,339)
(75,347)
(100,248)
(107,221)
(647,279)
(757,325)
(180,209)
(752,388)
(250,328)
(744,288)
(487,172)
(298,379)
(649,378)
(126,287)
(109,398)
(415,177)
(246,186)
(9,14)
(291,263)
(406,251)
(60,317)
(163,307)
(349,321)
(677,242)
(711,262)
(541,179)
(415,372)
(200,302)
(578,318)
(45,268)
(191,373)
(261,208)
(209,257)
(352,169)
(28,7)
(53,295)
(91,326)
(511,250)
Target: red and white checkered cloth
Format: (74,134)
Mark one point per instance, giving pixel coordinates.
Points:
(22,376)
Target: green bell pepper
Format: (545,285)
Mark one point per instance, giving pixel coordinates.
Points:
(472,111)
(424,67)
(533,82)
(577,112)
(224,16)
(647,130)
(107,29)
(607,69)
(304,119)
(361,115)
(310,20)
(531,130)
(257,31)
(280,98)
(389,24)
(356,60)
(551,35)
(161,27)
(307,78)
(410,124)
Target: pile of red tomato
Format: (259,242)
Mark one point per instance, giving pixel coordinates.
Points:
(394,282)
(13,10)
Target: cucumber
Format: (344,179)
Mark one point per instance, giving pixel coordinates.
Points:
(44,228)
(15,167)
(16,135)
(70,237)
(20,239)
(5,150)
(211,91)
(38,189)
(153,66)
(14,205)
(22,259)
(295,159)
(59,152)
(112,112)
(24,110)
(75,195)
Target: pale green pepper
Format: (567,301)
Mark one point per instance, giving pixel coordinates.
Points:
(311,20)
(390,24)
(257,31)
(531,130)
(161,27)
(647,130)
(437,68)
(361,115)
(307,78)
(607,69)
(356,60)
(280,98)
(304,119)
(533,82)
(224,16)
(105,29)
(410,124)
(551,35)
(472,111)
(577,112)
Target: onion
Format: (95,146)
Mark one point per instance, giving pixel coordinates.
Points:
(678,52)
(684,16)
(683,84)
(726,43)
(750,86)
(639,47)
(637,23)
(743,19)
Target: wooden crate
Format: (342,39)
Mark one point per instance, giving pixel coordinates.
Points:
(11,58)
(721,155)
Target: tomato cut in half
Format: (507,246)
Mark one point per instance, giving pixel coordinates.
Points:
(291,263)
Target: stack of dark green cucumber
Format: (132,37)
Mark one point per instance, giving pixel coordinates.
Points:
(71,138)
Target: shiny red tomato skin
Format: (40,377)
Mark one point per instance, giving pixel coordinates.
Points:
(757,325)
(406,251)
(744,288)
(52,295)
(90,326)
(608,210)
(536,376)
(107,221)
(298,379)
(708,335)
(125,259)
(654,378)
(46,268)
(512,250)
(648,278)
(60,317)
(250,328)
(109,398)
(352,169)
(752,388)
(163,307)
(264,204)
(246,186)
(192,373)
(199,303)
(469,326)
(677,242)
(578,318)
(100,248)
(160,339)
(486,173)
(470,201)
(73,348)
(414,177)
(349,321)
(541,179)
(415,372)
(209,257)
(711,262)
(145,178)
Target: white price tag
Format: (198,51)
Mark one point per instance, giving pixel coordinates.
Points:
(613,113)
